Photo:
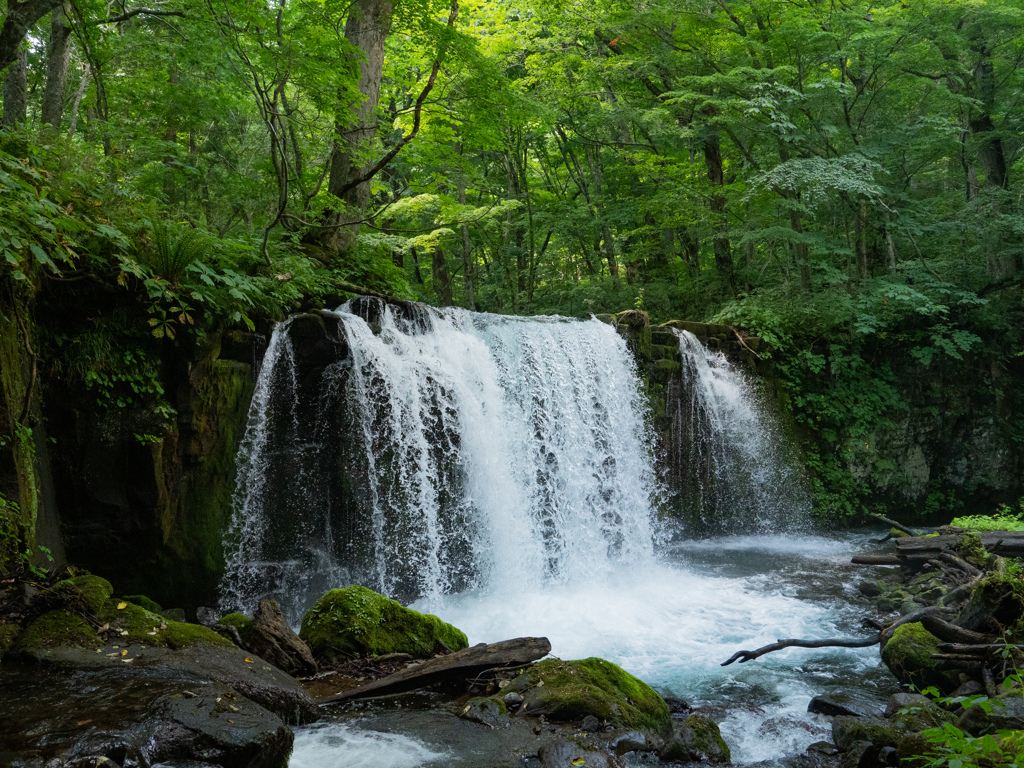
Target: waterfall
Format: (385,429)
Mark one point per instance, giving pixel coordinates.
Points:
(735,474)
(441,451)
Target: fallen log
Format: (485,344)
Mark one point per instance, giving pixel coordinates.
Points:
(894,524)
(461,664)
(877,560)
(957,562)
(1008,543)
(744,656)
(951,633)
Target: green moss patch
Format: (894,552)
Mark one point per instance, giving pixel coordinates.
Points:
(568,691)
(357,621)
(144,602)
(147,628)
(56,629)
(94,590)
(908,656)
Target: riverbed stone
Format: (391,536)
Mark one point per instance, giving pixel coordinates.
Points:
(697,739)
(908,655)
(568,691)
(357,621)
(1006,713)
(270,636)
(489,712)
(846,731)
(915,712)
(562,753)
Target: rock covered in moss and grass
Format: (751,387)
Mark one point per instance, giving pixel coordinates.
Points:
(568,691)
(94,590)
(241,623)
(908,655)
(698,740)
(358,622)
(847,731)
(144,602)
(996,606)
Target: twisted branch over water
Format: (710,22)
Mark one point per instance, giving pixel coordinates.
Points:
(840,642)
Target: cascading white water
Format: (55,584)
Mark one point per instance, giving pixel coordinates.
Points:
(488,451)
(734,465)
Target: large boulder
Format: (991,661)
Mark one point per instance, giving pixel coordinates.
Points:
(357,621)
(848,731)
(908,655)
(568,691)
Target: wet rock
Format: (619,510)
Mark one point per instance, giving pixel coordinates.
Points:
(1006,714)
(489,712)
(590,724)
(887,756)
(859,754)
(272,638)
(630,741)
(676,706)
(835,704)
(970,688)
(915,712)
(60,716)
(912,746)
(697,740)
(563,753)
(847,731)
(568,691)
(823,748)
(360,622)
(512,700)
(908,655)
(869,588)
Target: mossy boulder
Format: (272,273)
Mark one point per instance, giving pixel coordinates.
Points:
(846,731)
(144,602)
(357,621)
(126,623)
(915,712)
(568,691)
(971,549)
(697,740)
(908,655)
(94,590)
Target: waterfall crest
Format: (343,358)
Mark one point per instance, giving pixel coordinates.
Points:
(736,474)
(443,451)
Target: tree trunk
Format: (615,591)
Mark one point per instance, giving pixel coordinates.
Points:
(716,175)
(58,54)
(21,17)
(367,27)
(442,281)
(468,286)
(990,145)
(78,99)
(16,91)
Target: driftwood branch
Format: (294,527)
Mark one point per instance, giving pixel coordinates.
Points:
(877,560)
(848,642)
(957,562)
(894,524)
(951,633)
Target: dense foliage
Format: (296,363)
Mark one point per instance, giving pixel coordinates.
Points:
(843,180)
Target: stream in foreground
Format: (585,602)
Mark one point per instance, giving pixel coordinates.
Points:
(671,623)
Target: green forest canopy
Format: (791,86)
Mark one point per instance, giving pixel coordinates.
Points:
(843,179)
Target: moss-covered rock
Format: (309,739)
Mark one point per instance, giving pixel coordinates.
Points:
(357,621)
(971,549)
(94,590)
(148,628)
(568,691)
(698,740)
(144,602)
(125,621)
(908,655)
(8,634)
(491,712)
(56,629)
(846,731)
(916,713)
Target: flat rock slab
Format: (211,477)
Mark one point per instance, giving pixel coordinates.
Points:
(508,653)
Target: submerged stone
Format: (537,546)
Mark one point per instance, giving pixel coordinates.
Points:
(568,691)
(357,621)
